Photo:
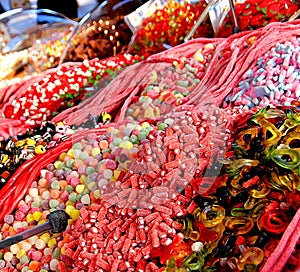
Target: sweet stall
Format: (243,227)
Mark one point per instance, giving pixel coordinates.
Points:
(163,136)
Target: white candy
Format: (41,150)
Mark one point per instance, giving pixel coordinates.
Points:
(197,246)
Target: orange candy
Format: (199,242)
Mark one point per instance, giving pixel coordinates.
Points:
(5,227)
(43,183)
(62,156)
(55,194)
(44,214)
(34,266)
(88,149)
(63,184)
(67,157)
(103,144)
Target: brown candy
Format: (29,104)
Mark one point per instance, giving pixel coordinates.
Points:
(101,39)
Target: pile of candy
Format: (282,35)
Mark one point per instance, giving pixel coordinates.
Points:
(273,80)
(101,39)
(12,63)
(16,150)
(36,58)
(240,223)
(41,98)
(256,14)
(169,25)
(176,182)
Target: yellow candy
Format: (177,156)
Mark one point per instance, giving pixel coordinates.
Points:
(79,188)
(69,203)
(30,141)
(20,143)
(117,174)
(69,209)
(106,117)
(149,112)
(39,149)
(175,63)
(45,237)
(5,158)
(198,56)
(36,216)
(82,179)
(29,218)
(20,253)
(71,153)
(41,222)
(63,251)
(179,96)
(52,242)
(95,151)
(97,194)
(60,123)
(57,164)
(145,124)
(74,214)
(209,46)
(126,145)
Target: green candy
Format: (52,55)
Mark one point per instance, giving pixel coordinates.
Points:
(36,204)
(77,146)
(89,170)
(69,188)
(24,259)
(134,139)
(117,141)
(56,253)
(55,185)
(142,135)
(70,163)
(162,126)
(53,203)
(73,197)
(91,185)
(84,155)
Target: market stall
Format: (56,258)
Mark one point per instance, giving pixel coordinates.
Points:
(172,154)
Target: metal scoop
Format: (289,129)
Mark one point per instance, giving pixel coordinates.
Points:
(57,222)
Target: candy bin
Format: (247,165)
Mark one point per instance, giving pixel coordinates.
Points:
(167,25)
(100,34)
(35,46)
(167,168)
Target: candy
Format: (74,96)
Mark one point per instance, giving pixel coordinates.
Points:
(155,34)
(146,194)
(253,15)
(278,88)
(56,86)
